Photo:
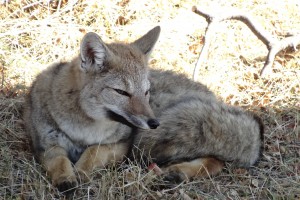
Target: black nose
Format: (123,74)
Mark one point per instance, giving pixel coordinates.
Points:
(153,123)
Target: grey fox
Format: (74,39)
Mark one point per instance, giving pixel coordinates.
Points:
(84,112)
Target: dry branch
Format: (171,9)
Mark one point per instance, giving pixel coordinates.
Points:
(273,44)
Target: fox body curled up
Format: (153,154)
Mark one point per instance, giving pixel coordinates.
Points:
(84,112)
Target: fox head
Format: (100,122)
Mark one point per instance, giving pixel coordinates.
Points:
(116,79)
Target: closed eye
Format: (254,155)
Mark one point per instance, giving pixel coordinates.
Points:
(122,92)
(147,92)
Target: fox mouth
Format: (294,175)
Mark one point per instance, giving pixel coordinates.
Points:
(150,124)
(132,120)
(138,122)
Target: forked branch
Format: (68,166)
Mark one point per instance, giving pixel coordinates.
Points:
(273,44)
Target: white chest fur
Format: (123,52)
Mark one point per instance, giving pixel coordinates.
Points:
(98,132)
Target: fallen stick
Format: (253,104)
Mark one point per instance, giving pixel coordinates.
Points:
(273,44)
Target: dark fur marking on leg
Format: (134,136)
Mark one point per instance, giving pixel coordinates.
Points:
(174,177)
(67,187)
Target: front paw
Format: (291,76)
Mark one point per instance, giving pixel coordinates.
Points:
(65,184)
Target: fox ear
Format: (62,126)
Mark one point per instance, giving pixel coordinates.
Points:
(147,42)
(93,52)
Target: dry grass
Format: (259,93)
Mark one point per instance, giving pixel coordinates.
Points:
(32,36)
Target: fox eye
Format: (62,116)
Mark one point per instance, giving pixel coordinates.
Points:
(122,92)
(147,92)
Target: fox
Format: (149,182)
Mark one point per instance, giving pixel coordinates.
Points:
(107,105)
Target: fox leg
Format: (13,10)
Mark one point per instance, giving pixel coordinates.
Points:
(99,156)
(201,167)
(60,169)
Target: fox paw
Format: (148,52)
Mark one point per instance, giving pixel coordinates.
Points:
(174,177)
(66,184)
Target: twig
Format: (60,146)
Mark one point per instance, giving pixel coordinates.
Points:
(32,5)
(2,75)
(273,44)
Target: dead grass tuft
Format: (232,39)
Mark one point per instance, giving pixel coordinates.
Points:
(34,34)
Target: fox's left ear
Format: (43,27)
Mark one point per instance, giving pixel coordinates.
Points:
(93,53)
(147,42)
